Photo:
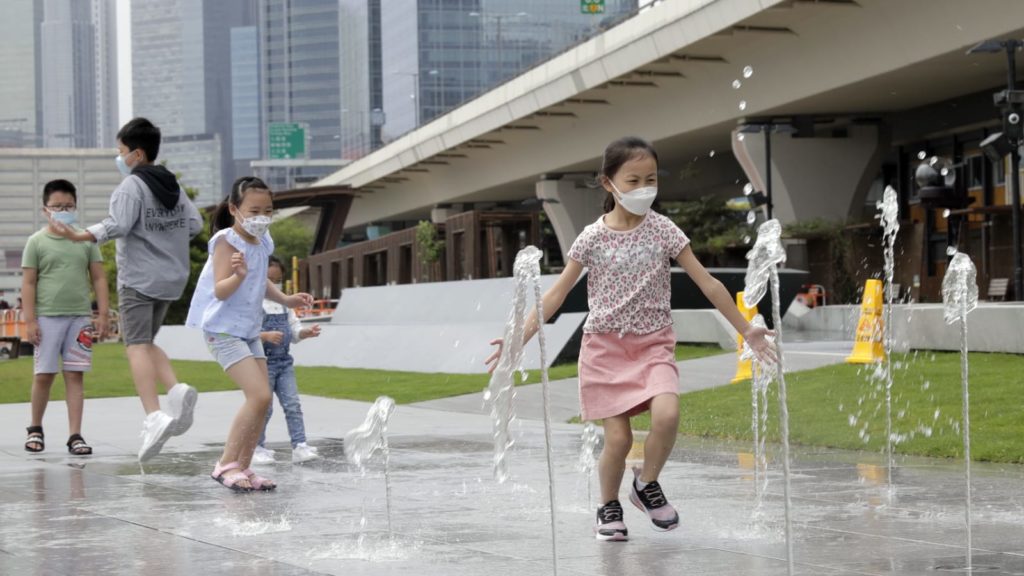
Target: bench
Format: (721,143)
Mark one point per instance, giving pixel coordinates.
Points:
(997,289)
(12,351)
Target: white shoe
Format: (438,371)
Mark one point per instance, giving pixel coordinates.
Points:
(156,429)
(181,400)
(303,453)
(262,455)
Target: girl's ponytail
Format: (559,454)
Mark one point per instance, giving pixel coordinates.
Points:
(221,218)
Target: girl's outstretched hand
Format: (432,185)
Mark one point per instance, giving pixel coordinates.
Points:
(761,341)
(492,360)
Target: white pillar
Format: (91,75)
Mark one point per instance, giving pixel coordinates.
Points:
(570,206)
(814,177)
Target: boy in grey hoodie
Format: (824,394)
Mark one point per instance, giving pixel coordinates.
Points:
(152,220)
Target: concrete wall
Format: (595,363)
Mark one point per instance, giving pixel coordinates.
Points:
(992,327)
(704,327)
(431,327)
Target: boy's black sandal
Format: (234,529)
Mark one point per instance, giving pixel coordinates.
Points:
(34,442)
(77,446)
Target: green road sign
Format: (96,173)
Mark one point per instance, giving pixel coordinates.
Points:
(287,140)
(592,6)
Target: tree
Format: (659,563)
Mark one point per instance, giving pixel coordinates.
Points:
(291,238)
(711,226)
(429,246)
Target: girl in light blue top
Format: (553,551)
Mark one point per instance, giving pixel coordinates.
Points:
(228,306)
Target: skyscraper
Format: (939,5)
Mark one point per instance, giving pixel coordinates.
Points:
(19,67)
(437,54)
(245,95)
(181,80)
(301,79)
(362,98)
(59,64)
(104,24)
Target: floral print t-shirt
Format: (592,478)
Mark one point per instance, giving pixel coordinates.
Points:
(629,284)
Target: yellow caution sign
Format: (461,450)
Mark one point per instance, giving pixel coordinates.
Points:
(744,368)
(868,349)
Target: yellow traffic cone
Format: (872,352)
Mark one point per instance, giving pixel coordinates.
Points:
(744,369)
(867,349)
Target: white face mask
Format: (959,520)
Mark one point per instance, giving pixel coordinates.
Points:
(256,225)
(637,201)
(279,286)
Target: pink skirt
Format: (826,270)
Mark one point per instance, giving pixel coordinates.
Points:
(620,375)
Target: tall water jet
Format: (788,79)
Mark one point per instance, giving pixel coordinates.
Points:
(501,389)
(762,271)
(761,378)
(889,211)
(959,297)
(372,436)
(587,461)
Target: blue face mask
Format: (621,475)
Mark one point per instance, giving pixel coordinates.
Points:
(122,166)
(67,218)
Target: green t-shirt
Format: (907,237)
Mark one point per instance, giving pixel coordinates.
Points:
(63,282)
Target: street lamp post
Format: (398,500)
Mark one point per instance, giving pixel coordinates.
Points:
(1011,103)
(415,95)
(768,128)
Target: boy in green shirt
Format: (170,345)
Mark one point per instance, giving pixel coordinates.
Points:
(57,275)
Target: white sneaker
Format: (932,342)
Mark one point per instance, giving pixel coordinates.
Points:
(156,429)
(262,455)
(303,453)
(181,400)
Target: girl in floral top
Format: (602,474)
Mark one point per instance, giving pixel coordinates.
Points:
(627,360)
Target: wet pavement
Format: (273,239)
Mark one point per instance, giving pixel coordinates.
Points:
(102,515)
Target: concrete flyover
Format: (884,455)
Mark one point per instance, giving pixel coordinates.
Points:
(840,70)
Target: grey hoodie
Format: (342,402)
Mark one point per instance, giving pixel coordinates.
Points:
(152,238)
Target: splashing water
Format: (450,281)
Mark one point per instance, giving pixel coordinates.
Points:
(372,435)
(748,189)
(254,527)
(588,461)
(889,212)
(500,392)
(748,71)
(535,256)
(759,420)
(736,84)
(751,217)
(762,270)
(959,297)
(743,105)
(765,255)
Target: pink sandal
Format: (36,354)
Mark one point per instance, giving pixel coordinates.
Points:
(229,475)
(258,482)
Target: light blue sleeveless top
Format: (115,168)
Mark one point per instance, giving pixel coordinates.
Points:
(241,315)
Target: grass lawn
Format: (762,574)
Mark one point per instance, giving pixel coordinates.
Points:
(111,377)
(840,406)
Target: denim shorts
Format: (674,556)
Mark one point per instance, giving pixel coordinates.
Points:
(229,350)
